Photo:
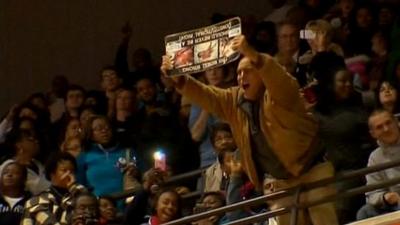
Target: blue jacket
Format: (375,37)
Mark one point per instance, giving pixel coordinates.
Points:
(98,170)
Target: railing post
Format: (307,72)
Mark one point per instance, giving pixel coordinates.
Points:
(295,210)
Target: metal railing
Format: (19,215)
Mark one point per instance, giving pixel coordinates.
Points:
(290,191)
(171,180)
(293,208)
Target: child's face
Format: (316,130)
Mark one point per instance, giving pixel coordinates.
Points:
(224,141)
(167,207)
(107,209)
(74,147)
(212,202)
(12,176)
(59,177)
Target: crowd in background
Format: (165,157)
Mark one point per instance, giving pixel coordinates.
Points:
(65,151)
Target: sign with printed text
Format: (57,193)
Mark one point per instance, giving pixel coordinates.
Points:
(204,48)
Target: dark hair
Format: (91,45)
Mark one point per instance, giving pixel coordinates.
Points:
(110,199)
(37,95)
(125,88)
(218,127)
(286,23)
(18,135)
(221,156)
(18,121)
(396,86)
(142,77)
(172,191)
(109,67)
(220,196)
(84,194)
(271,46)
(143,53)
(52,163)
(324,68)
(27,105)
(74,87)
(89,129)
(101,101)
(353,25)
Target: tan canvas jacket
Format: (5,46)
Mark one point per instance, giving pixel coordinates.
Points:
(288,128)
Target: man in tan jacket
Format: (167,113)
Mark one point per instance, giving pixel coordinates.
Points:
(277,138)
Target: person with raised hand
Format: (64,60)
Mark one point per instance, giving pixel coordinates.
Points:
(276,136)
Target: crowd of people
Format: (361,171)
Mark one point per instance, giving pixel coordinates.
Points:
(315,92)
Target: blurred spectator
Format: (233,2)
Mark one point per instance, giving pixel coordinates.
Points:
(110,82)
(25,123)
(86,114)
(124,115)
(322,38)
(74,129)
(74,99)
(318,34)
(15,112)
(26,149)
(53,206)
(383,127)
(240,189)
(39,100)
(222,140)
(108,212)
(288,47)
(59,86)
(388,97)
(339,14)
(167,207)
(264,38)
(386,17)
(339,18)
(97,101)
(343,129)
(316,8)
(210,201)
(280,9)
(142,61)
(153,181)
(85,210)
(12,193)
(379,61)
(299,16)
(157,127)
(101,165)
(362,26)
(201,121)
(73,146)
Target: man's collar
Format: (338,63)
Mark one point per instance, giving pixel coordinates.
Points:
(383,145)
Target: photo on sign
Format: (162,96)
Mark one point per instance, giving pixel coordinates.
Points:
(197,50)
(183,57)
(225,47)
(206,51)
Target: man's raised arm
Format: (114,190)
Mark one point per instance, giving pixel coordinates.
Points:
(215,100)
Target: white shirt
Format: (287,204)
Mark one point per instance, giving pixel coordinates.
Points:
(12,201)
